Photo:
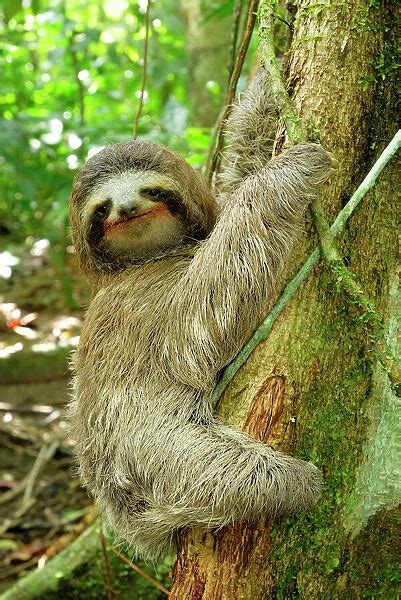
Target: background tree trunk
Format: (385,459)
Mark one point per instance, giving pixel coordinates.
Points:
(207,43)
(313,388)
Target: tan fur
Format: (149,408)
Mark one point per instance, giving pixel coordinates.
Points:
(159,331)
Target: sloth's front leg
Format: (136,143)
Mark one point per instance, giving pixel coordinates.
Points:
(236,273)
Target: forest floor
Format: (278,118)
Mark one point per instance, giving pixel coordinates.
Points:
(42,503)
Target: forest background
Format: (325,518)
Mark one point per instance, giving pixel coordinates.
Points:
(71,78)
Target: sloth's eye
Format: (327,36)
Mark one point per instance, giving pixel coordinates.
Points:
(103,209)
(169,197)
(156,193)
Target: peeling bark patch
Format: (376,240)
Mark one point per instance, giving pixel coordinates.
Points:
(229,564)
(187,571)
(266,408)
(235,543)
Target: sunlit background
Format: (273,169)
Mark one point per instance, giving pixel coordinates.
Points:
(70,84)
(71,78)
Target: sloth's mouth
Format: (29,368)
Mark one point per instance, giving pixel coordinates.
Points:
(109,226)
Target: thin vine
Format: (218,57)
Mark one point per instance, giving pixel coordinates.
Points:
(107,569)
(232,86)
(138,570)
(144,72)
(237,16)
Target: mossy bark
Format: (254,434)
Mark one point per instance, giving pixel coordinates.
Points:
(313,388)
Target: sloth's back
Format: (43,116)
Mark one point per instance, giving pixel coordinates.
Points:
(120,392)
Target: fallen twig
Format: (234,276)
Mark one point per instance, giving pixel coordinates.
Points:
(9,572)
(45,454)
(27,484)
(13,493)
(65,540)
(138,570)
(40,582)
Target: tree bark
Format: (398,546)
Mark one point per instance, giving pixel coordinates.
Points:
(313,388)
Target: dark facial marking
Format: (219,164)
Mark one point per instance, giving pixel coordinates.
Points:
(96,231)
(103,209)
(170,198)
(174,202)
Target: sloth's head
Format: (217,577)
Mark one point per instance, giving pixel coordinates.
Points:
(133,201)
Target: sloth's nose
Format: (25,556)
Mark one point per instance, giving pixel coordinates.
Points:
(127,211)
(126,206)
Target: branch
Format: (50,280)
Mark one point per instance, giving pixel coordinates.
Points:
(237,13)
(45,454)
(288,112)
(41,582)
(232,87)
(291,288)
(144,72)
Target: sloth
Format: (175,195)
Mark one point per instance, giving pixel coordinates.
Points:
(181,277)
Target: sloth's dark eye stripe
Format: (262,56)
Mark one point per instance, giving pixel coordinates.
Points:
(103,209)
(170,198)
(95,230)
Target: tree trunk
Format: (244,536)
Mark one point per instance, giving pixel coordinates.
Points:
(313,388)
(207,44)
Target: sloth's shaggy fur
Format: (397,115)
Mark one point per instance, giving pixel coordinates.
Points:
(159,331)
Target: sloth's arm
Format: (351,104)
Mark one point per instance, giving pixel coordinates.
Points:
(251,131)
(224,294)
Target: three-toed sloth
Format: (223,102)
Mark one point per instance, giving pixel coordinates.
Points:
(181,278)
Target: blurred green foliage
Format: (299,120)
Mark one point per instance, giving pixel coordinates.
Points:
(71,75)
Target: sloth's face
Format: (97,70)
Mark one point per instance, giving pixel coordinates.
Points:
(134,215)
